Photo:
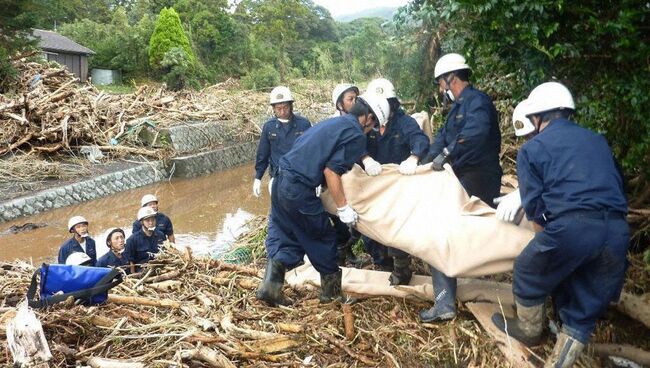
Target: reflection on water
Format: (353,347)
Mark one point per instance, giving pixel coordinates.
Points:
(207,212)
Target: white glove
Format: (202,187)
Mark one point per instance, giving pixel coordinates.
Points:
(318,191)
(347,215)
(257,188)
(373,168)
(270,185)
(508,205)
(407,167)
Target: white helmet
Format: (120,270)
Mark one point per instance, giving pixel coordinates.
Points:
(342,88)
(78,259)
(280,94)
(379,106)
(549,96)
(74,220)
(147,198)
(145,212)
(449,63)
(523,125)
(382,87)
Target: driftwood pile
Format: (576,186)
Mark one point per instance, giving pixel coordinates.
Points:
(50,111)
(193,312)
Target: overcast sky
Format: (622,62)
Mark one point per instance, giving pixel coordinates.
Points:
(343,7)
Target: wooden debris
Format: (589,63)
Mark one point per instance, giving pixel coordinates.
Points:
(624,351)
(348,321)
(637,307)
(213,358)
(134,300)
(96,362)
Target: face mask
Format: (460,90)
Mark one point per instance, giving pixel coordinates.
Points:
(449,96)
(84,235)
(151,228)
(283,120)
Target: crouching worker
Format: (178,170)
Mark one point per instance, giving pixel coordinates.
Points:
(80,241)
(144,244)
(321,155)
(570,186)
(114,257)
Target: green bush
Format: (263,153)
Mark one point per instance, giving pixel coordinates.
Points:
(263,77)
(168,34)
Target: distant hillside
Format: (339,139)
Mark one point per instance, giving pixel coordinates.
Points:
(384,12)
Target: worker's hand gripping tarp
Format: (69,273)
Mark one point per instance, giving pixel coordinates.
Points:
(430,216)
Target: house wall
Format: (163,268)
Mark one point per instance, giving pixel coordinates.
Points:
(76,63)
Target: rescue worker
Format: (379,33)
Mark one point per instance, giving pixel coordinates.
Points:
(398,141)
(79,259)
(80,241)
(470,141)
(163,222)
(344,96)
(114,257)
(571,188)
(278,136)
(321,155)
(142,245)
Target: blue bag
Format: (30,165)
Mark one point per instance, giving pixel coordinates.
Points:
(88,285)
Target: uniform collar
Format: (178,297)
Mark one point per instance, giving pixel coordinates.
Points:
(464,94)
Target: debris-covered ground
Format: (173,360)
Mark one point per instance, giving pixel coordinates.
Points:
(191,312)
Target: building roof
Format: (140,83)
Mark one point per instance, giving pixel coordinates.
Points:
(52,41)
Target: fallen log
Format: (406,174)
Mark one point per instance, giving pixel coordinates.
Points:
(624,351)
(273,345)
(96,362)
(635,306)
(213,358)
(163,277)
(235,331)
(136,300)
(348,321)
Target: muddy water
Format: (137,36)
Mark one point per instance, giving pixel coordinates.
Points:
(206,212)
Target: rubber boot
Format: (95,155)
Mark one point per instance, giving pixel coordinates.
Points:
(330,287)
(345,254)
(527,327)
(270,291)
(565,353)
(401,274)
(444,304)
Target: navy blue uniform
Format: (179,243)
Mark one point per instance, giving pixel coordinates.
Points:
(401,139)
(472,137)
(277,139)
(163,224)
(298,216)
(111,260)
(569,183)
(71,246)
(141,248)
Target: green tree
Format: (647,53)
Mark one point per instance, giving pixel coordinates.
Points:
(168,34)
(16,20)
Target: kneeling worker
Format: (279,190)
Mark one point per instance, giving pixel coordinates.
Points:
(321,155)
(141,246)
(80,241)
(114,257)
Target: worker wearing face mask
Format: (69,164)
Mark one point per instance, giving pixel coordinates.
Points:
(143,245)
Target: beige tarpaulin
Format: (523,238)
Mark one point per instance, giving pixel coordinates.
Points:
(375,283)
(430,216)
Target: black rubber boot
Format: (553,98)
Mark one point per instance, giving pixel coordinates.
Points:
(444,298)
(565,352)
(270,290)
(330,287)
(527,327)
(401,274)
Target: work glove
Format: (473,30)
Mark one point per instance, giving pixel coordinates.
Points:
(347,215)
(318,190)
(407,167)
(257,188)
(508,206)
(440,160)
(270,185)
(373,168)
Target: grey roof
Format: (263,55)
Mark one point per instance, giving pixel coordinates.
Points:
(52,41)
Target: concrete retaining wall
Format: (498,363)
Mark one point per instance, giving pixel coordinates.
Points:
(85,190)
(198,136)
(211,161)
